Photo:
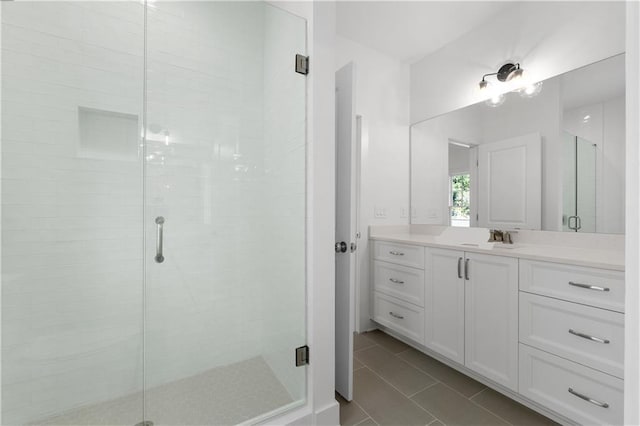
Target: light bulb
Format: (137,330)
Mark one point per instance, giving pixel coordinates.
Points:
(531,90)
(483,85)
(495,100)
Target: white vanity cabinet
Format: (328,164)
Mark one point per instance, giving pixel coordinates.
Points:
(444,302)
(398,288)
(572,340)
(491,317)
(547,332)
(471,311)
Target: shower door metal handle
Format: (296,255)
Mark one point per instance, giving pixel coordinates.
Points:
(159,237)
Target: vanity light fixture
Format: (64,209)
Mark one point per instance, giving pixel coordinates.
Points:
(507,72)
(513,74)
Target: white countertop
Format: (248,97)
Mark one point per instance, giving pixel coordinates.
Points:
(582,256)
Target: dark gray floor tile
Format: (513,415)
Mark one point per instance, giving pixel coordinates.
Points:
(384,404)
(510,410)
(367,422)
(454,409)
(361,341)
(406,378)
(441,372)
(350,413)
(357,364)
(390,343)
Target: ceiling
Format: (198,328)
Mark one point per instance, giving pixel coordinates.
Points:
(410,30)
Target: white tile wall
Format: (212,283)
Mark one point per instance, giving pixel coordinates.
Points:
(225,167)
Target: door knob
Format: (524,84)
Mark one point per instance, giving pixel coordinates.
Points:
(341,247)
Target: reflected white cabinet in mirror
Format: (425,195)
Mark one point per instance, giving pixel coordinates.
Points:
(470,167)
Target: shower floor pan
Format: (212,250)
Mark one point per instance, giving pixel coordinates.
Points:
(226,395)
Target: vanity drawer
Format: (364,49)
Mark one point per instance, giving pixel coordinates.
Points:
(550,380)
(590,336)
(402,254)
(399,281)
(400,316)
(596,287)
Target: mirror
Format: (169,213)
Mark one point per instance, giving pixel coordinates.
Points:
(551,160)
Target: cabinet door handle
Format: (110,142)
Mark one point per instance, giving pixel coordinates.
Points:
(586,398)
(459,267)
(396,315)
(586,336)
(393,280)
(588,286)
(396,253)
(466,269)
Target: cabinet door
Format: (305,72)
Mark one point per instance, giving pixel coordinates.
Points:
(491,317)
(444,303)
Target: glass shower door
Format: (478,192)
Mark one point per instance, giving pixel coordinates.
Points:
(579,184)
(224,212)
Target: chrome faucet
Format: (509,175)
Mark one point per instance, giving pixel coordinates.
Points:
(496,235)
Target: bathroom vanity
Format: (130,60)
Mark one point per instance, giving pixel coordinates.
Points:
(540,320)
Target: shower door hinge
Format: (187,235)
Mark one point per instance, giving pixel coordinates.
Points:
(302,355)
(302,64)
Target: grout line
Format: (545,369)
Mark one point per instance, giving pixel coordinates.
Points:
(364,420)
(423,389)
(404,396)
(366,347)
(491,412)
(417,368)
(364,411)
(435,420)
(476,394)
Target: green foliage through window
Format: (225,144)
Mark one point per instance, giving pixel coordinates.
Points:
(460,190)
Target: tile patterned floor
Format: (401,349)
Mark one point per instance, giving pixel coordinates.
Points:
(397,385)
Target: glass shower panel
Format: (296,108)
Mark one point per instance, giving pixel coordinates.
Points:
(580,169)
(225,196)
(72,242)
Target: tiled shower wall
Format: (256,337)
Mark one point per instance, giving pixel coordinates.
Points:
(225,167)
(71,240)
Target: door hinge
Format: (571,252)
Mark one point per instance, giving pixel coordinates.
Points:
(302,355)
(302,64)
(476,216)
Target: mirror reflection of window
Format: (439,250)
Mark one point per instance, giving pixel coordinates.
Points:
(459,200)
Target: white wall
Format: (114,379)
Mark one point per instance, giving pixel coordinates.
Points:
(548,38)
(382,99)
(632,227)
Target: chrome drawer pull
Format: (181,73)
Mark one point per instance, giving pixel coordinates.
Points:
(586,336)
(396,315)
(589,286)
(393,280)
(586,398)
(459,267)
(396,253)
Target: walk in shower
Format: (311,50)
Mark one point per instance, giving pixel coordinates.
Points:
(153,212)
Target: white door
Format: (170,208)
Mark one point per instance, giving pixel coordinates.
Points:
(345,228)
(444,302)
(491,317)
(510,183)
